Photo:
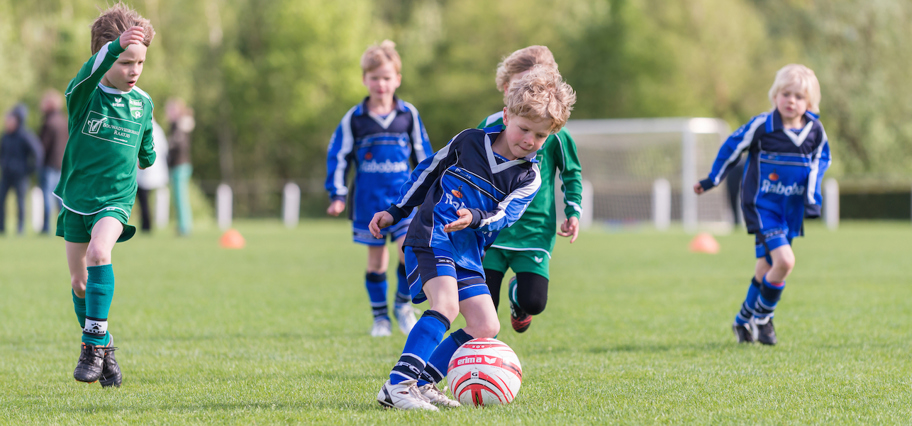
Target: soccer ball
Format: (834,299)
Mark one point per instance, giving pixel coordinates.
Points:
(484,372)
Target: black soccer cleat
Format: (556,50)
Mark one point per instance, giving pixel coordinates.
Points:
(90,364)
(766,333)
(744,332)
(110,374)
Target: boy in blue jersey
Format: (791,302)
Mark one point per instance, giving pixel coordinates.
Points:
(480,183)
(787,156)
(378,138)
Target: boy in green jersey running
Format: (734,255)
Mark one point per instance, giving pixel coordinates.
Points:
(526,246)
(110,128)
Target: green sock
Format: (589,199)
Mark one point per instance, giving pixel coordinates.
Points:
(79,305)
(99,293)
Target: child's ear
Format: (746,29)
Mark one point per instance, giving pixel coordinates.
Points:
(505,114)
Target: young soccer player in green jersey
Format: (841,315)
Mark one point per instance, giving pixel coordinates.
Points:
(110,128)
(526,246)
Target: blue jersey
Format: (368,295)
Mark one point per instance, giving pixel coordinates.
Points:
(783,172)
(380,150)
(466,174)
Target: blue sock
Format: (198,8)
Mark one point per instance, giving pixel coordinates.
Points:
(437,365)
(747,308)
(769,298)
(402,291)
(99,294)
(376,290)
(420,344)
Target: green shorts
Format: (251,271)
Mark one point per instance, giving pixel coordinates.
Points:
(77,228)
(535,261)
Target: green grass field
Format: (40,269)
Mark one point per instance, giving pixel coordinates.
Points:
(637,331)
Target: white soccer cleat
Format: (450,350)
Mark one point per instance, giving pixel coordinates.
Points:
(382,328)
(438,397)
(405,316)
(404,396)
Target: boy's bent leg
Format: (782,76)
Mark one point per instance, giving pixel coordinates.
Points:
(78,275)
(100,280)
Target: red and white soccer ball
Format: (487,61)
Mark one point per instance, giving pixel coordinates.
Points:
(484,372)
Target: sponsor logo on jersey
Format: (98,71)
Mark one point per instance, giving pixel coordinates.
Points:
(118,102)
(383,166)
(136,102)
(768,187)
(368,156)
(95,125)
(457,192)
(538,259)
(773,176)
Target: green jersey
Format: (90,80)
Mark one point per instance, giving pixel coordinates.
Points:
(536,228)
(109,130)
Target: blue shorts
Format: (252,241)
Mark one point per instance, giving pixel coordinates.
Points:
(769,240)
(361,233)
(424,263)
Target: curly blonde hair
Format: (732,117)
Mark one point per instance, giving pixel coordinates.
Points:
(377,55)
(114,21)
(801,76)
(522,60)
(541,94)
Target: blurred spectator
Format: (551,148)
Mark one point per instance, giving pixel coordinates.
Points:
(733,187)
(53,135)
(181,120)
(20,153)
(152,177)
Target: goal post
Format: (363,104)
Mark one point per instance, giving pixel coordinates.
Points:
(632,163)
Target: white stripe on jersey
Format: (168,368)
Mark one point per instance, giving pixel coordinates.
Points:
(348,142)
(98,60)
(745,142)
(417,137)
(526,191)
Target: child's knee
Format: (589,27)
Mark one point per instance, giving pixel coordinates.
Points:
(96,255)
(487,329)
(79,285)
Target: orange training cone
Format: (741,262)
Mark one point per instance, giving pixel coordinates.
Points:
(232,239)
(704,243)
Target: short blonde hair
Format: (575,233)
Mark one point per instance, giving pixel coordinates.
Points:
(522,60)
(541,94)
(377,55)
(801,76)
(114,21)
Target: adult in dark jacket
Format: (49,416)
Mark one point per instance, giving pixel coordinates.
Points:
(20,152)
(53,135)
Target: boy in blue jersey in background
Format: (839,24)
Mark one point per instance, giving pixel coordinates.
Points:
(478,184)
(787,156)
(379,138)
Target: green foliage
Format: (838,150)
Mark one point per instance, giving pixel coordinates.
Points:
(636,332)
(269,80)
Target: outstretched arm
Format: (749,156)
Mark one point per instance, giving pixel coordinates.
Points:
(81,87)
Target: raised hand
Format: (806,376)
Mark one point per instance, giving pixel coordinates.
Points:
(134,35)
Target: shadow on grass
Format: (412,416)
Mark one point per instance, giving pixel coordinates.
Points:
(227,407)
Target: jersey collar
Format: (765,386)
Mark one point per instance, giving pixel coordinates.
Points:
(774,123)
(112,90)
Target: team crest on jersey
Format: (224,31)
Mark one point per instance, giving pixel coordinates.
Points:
(137,113)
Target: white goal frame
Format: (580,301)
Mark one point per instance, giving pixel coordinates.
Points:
(688,128)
